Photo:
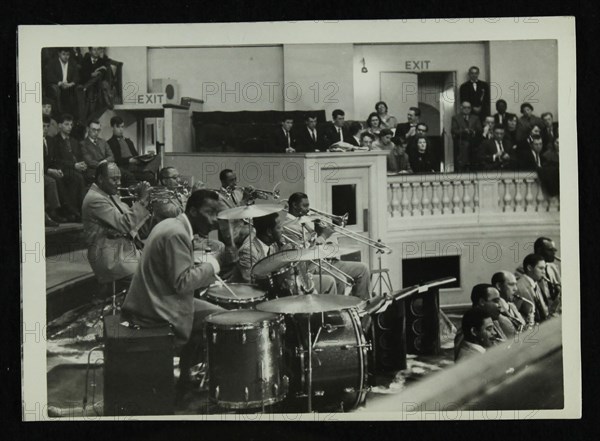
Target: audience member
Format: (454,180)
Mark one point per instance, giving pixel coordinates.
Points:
(387,121)
(525,144)
(366,140)
(47,107)
(530,159)
(549,130)
(95,79)
(411,148)
(336,132)
(530,298)
(478,330)
(94,150)
(398,160)
(466,129)
(501,114)
(373,124)
(308,138)
(52,180)
(282,139)
(549,174)
(409,128)
(61,83)
(422,161)
(527,121)
(384,142)
(477,93)
(488,128)
(354,130)
(495,153)
(551,155)
(506,284)
(67,156)
(510,134)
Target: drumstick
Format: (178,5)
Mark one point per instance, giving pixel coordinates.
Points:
(228,288)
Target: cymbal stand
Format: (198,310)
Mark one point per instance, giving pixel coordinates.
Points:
(309,373)
(381,279)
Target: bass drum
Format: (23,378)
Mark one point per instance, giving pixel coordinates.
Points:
(245,359)
(339,361)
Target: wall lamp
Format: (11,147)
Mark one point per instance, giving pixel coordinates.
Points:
(364,68)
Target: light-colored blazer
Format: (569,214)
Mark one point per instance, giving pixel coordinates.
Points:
(92,153)
(162,289)
(109,228)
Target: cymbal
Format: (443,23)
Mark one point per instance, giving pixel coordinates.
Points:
(244,291)
(309,304)
(249,211)
(325,251)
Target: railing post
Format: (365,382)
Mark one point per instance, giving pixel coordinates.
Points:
(435,200)
(404,201)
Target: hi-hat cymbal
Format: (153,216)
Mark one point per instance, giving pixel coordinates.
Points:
(249,211)
(309,304)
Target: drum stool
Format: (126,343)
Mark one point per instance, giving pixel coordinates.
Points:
(138,369)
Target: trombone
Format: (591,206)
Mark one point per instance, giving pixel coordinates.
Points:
(331,220)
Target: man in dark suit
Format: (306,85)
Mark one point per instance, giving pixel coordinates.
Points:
(94,150)
(531,159)
(495,153)
(61,83)
(409,128)
(124,153)
(501,115)
(282,139)
(510,132)
(52,180)
(354,130)
(476,92)
(67,156)
(95,79)
(308,138)
(466,130)
(336,132)
(550,130)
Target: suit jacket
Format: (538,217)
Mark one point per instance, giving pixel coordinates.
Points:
(524,126)
(421,163)
(109,229)
(526,289)
(53,72)
(459,125)
(477,98)
(466,350)
(113,143)
(87,68)
(49,154)
(549,136)
(162,289)
(402,129)
(305,142)
(332,136)
(257,252)
(504,118)
(525,160)
(92,153)
(488,150)
(66,152)
(279,141)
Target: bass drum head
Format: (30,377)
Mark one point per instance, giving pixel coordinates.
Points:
(245,295)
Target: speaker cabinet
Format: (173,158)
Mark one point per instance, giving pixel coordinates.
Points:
(169,87)
(138,369)
(422,323)
(389,339)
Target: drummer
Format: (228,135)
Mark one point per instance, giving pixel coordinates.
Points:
(267,241)
(299,206)
(163,285)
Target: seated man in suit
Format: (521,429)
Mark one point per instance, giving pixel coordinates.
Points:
(488,128)
(477,93)
(124,152)
(95,77)
(354,130)
(501,114)
(282,139)
(47,107)
(530,298)
(478,331)
(531,158)
(67,156)
(466,131)
(527,121)
(308,138)
(52,180)
(549,130)
(525,144)
(506,284)
(62,85)
(94,150)
(163,285)
(495,153)
(336,132)
(409,128)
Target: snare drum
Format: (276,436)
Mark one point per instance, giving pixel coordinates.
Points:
(245,359)
(247,296)
(339,361)
(281,279)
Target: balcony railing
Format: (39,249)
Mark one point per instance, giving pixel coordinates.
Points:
(459,194)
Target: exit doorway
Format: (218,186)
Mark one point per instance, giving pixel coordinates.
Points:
(435,94)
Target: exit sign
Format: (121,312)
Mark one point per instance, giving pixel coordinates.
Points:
(417,64)
(150,98)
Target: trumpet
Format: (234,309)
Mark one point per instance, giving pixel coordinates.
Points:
(261,194)
(331,222)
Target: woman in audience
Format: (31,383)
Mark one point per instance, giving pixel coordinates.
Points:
(422,161)
(373,124)
(386,121)
(527,121)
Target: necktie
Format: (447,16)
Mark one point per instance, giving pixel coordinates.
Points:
(499,146)
(537,159)
(314,135)
(340,133)
(287,135)
(466,118)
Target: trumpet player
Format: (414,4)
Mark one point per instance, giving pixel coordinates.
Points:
(111,227)
(299,206)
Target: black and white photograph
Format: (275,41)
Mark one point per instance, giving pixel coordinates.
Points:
(294,221)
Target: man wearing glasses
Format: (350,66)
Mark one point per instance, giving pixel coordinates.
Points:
(94,150)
